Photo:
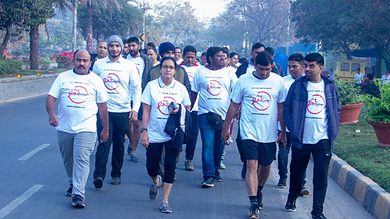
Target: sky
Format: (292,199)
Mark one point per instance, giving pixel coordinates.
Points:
(205,9)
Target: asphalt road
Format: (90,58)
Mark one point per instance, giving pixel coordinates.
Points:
(33,181)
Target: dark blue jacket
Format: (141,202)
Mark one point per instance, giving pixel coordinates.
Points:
(294,109)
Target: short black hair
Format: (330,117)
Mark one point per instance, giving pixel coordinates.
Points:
(75,53)
(257,45)
(189,48)
(264,58)
(168,58)
(315,57)
(234,54)
(212,51)
(297,57)
(270,50)
(133,40)
(177,48)
(151,44)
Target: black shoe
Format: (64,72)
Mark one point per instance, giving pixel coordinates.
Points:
(115,180)
(129,149)
(69,191)
(318,216)
(78,201)
(208,183)
(218,178)
(253,212)
(304,191)
(153,192)
(98,182)
(290,206)
(243,171)
(282,183)
(260,200)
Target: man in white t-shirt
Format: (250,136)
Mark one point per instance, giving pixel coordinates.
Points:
(311,112)
(296,67)
(191,66)
(79,94)
(261,95)
(214,84)
(122,83)
(178,55)
(143,64)
(386,78)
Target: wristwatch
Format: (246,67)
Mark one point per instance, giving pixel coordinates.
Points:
(143,130)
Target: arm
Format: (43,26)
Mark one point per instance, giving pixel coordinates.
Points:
(103,113)
(193,98)
(186,82)
(135,87)
(50,106)
(233,107)
(145,121)
(282,137)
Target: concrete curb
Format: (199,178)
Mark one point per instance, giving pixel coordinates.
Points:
(13,89)
(369,194)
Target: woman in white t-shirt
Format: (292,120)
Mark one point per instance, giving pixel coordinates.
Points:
(157,96)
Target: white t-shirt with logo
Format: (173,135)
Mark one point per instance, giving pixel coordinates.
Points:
(139,63)
(159,96)
(122,83)
(214,88)
(191,72)
(250,69)
(287,80)
(316,120)
(77,97)
(259,106)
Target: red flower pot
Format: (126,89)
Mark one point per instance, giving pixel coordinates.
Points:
(350,113)
(382,131)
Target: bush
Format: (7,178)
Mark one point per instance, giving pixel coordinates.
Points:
(10,66)
(378,109)
(45,63)
(349,93)
(64,59)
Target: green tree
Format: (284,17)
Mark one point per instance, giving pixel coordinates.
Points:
(107,21)
(12,19)
(39,12)
(180,25)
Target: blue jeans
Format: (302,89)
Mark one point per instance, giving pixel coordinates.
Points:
(193,136)
(211,148)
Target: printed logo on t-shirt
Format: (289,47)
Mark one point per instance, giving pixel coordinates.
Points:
(162,106)
(214,88)
(262,101)
(78,95)
(316,104)
(111,82)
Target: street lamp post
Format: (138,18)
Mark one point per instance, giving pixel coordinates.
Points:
(144,6)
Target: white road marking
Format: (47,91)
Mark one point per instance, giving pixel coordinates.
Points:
(31,153)
(19,200)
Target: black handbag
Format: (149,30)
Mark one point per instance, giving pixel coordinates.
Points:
(215,121)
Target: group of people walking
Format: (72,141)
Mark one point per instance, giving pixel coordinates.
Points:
(164,104)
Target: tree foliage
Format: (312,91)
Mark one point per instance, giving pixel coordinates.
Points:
(252,20)
(121,20)
(178,21)
(346,24)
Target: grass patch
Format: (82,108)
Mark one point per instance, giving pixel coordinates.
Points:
(361,151)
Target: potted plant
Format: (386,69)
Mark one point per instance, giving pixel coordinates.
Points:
(377,113)
(351,102)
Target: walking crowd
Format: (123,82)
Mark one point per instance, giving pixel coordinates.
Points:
(164,100)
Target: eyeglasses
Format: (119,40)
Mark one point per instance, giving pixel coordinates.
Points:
(170,67)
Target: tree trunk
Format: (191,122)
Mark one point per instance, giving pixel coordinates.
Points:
(4,44)
(89,26)
(384,54)
(74,26)
(346,49)
(34,49)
